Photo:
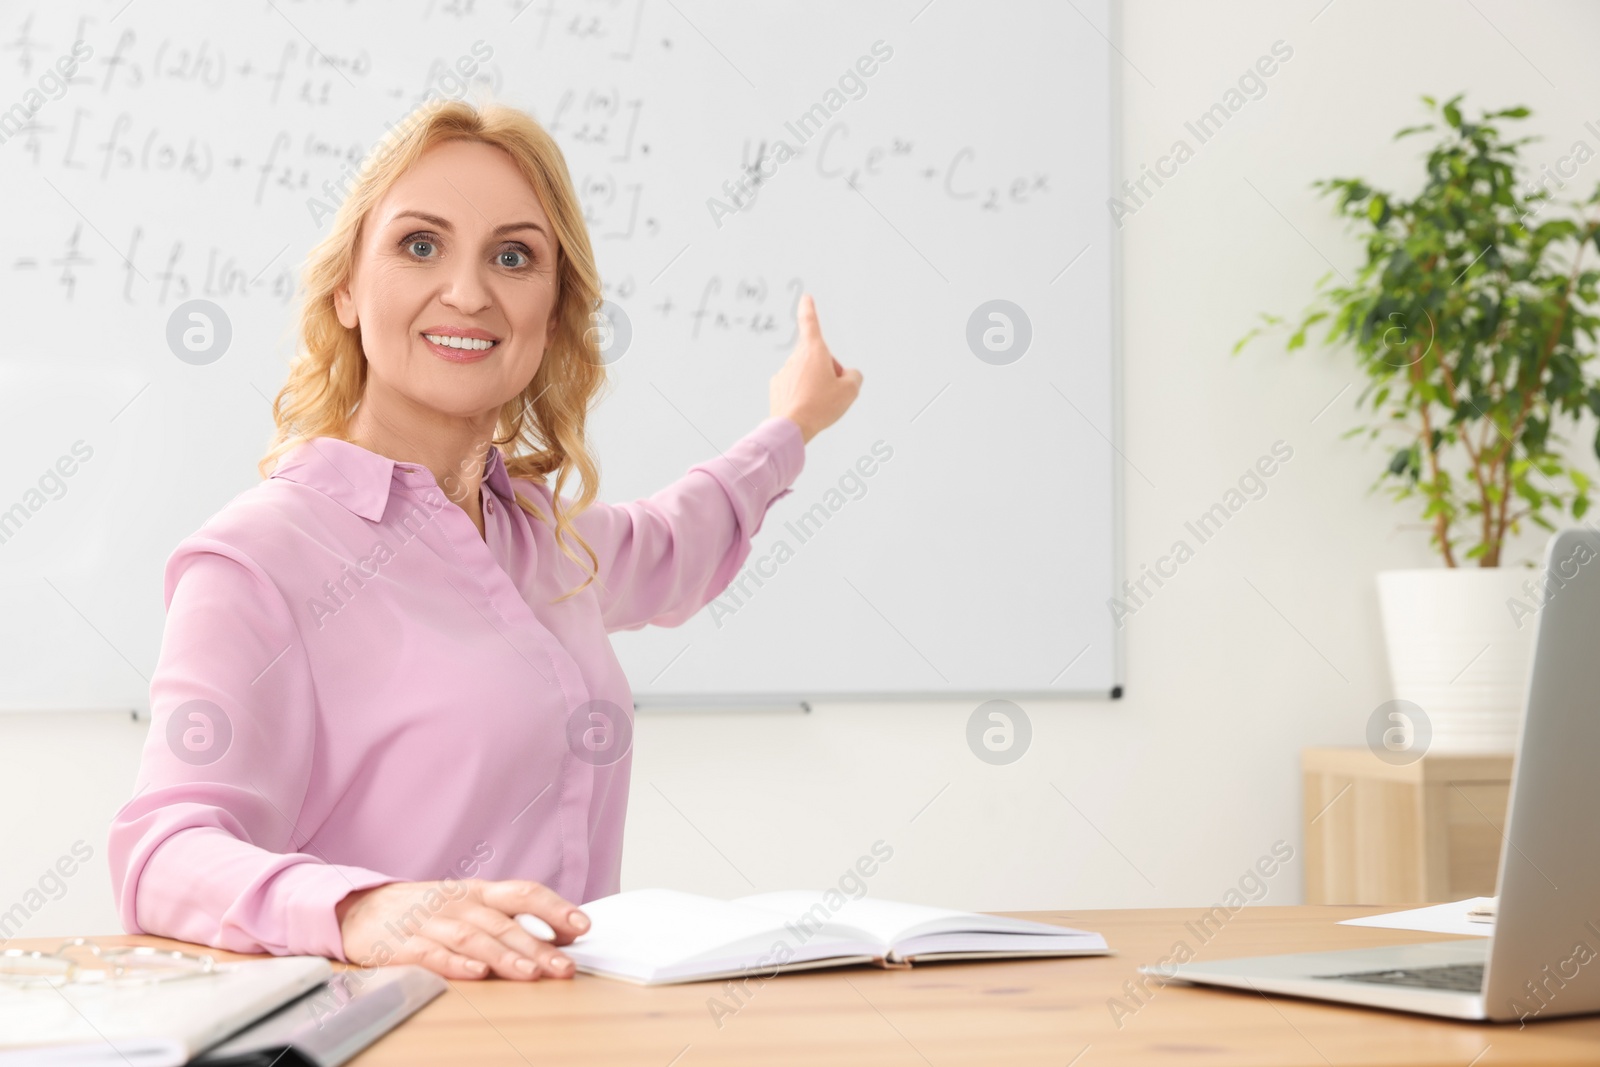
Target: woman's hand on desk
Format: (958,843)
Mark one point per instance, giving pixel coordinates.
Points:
(470,934)
(812,388)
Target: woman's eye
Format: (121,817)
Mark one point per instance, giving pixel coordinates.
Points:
(513,258)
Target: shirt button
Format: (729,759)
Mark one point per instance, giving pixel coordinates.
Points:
(491,507)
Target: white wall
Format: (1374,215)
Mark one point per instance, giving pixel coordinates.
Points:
(1266,642)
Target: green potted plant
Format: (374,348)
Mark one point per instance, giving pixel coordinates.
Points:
(1471,320)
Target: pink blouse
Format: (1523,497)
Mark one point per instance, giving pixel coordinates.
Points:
(355,688)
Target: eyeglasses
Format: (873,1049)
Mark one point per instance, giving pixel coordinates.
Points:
(81,960)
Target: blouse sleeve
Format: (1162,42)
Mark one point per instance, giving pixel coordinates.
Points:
(663,558)
(207,850)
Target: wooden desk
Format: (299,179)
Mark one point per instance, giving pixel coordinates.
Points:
(939,1015)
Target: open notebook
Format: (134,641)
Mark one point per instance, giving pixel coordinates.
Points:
(659,936)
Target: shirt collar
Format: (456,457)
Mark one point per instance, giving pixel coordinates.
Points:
(362,480)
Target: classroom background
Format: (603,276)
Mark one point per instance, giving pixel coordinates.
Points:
(1265,643)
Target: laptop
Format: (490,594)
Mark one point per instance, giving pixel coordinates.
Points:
(1543,959)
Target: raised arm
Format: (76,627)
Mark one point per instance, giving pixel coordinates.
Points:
(665,557)
(208,848)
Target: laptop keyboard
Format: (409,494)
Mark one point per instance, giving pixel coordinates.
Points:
(1460,977)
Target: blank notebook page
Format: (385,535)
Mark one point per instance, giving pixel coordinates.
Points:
(659,927)
(890,921)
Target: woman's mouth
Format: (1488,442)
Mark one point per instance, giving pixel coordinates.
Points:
(459,349)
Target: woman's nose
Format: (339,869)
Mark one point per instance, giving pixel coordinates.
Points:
(467,289)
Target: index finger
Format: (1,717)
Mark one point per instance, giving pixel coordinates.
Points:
(806,315)
(515,897)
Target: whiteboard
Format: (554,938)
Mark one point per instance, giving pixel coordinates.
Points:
(955,535)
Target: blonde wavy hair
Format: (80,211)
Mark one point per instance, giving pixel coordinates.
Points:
(541,429)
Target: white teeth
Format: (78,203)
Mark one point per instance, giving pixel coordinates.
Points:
(470,343)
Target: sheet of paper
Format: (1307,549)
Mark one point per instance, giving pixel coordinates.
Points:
(891,921)
(1437,919)
(884,920)
(659,927)
(663,935)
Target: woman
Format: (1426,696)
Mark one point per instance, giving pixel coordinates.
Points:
(386,711)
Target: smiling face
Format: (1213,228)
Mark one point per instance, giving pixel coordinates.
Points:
(459,248)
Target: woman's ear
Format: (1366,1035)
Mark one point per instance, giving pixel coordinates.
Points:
(345,307)
(553,322)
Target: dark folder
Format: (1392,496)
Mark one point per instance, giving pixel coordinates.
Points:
(332,1023)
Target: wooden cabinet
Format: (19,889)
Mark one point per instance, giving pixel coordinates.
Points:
(1424,832)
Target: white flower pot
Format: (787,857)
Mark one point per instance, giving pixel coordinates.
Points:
(1458,650)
